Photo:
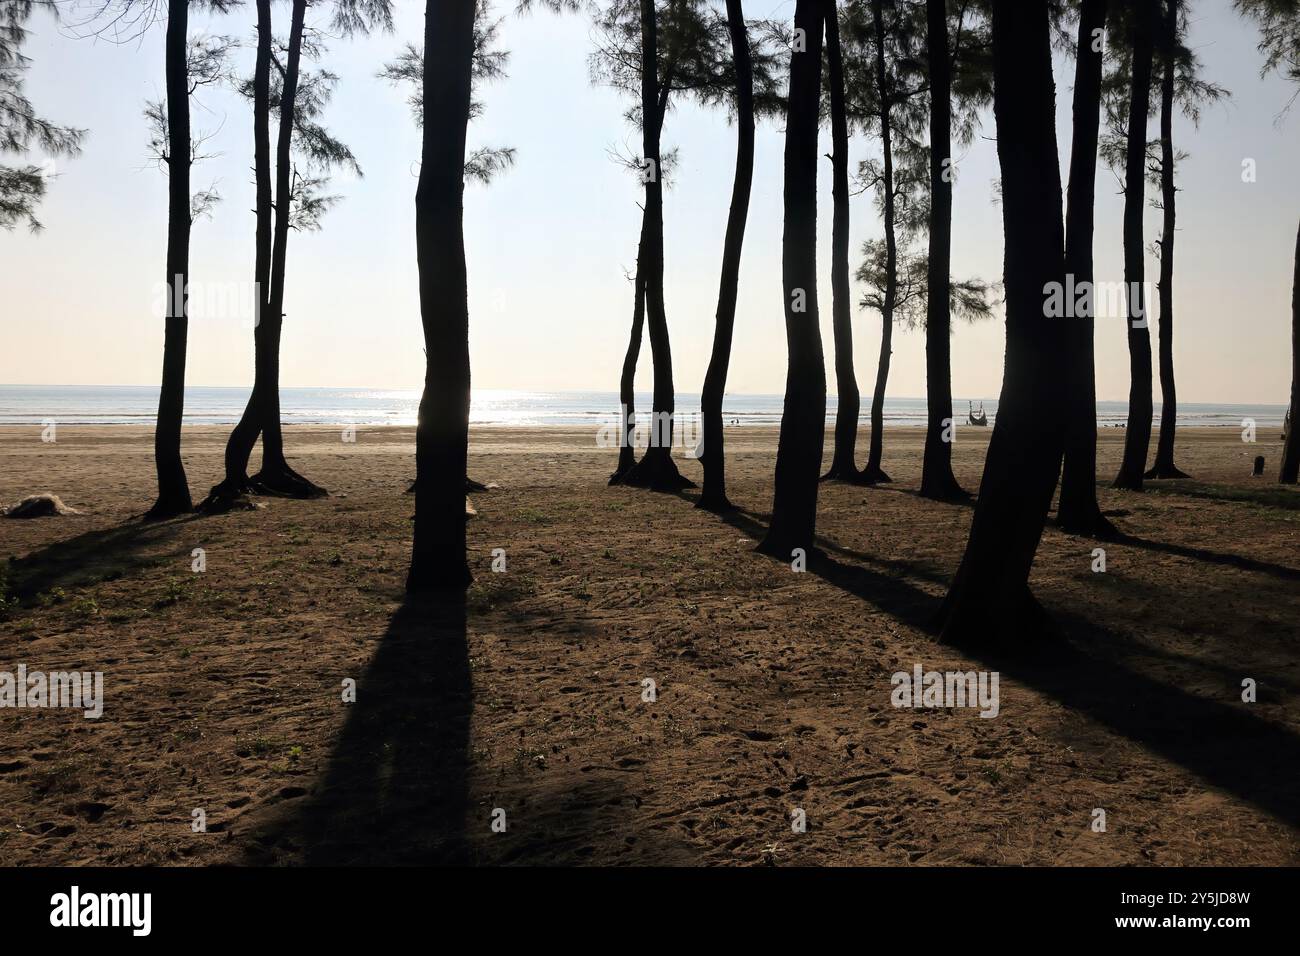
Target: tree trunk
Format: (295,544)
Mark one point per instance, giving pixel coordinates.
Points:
(1164,466)
(1138,435)
(937,480)
(989,601)
(438,559)
(803,420)
(239,447)
(173,488)
(843,466)
(656,469)
(627,382)
(714,495)
(1291,451)
(873,472)
(276,476)
(261,415)
(1078,511)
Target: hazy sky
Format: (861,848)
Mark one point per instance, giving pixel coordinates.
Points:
(550,244)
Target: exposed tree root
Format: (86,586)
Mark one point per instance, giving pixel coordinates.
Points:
(716,503)
(847,473)
(984,623)
(229,495)
(167,507)
(944,489)
(470,485)
(782,548)
(1094,525)
(657,471)
(1165,472)
(283,481)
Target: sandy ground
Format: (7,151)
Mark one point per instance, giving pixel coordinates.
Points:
(223,689)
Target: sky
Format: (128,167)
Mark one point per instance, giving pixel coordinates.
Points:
(551,244)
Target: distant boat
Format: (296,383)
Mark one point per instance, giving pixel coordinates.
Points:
(980,420)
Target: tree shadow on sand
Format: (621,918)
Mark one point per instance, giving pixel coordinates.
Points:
(96,556)
(1222,558)
(1282,497)
(1220,741)
(395,791)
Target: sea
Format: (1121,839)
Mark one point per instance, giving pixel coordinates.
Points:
(211,405)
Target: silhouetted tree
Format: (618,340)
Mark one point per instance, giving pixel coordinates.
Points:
(843,464)
(1078,510)
(189,65)
(803,419)
(881,45)
(297,97)
(1137,436)
(1179,84)
(438,558)
(1279,24)
(964,56)
(989,601)
(483,163)
(652,50)
(713,457)
(21,128)
(937,480)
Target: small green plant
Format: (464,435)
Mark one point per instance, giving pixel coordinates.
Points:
(51,597)
(175,592)
(84,608)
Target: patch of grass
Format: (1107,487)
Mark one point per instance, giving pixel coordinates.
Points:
(176,591)
(84,609)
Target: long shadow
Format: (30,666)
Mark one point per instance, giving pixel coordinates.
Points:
(396,788)
(888,592)
(1267,496)
(1221,742)
(1212,557)
(94,556)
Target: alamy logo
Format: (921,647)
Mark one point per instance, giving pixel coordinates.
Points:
(1097,300)
(78,690)
(102,909)
(655,430)
(946,689)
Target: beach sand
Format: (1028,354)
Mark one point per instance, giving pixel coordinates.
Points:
(224,689)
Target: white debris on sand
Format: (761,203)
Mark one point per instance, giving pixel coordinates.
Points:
(40,506)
